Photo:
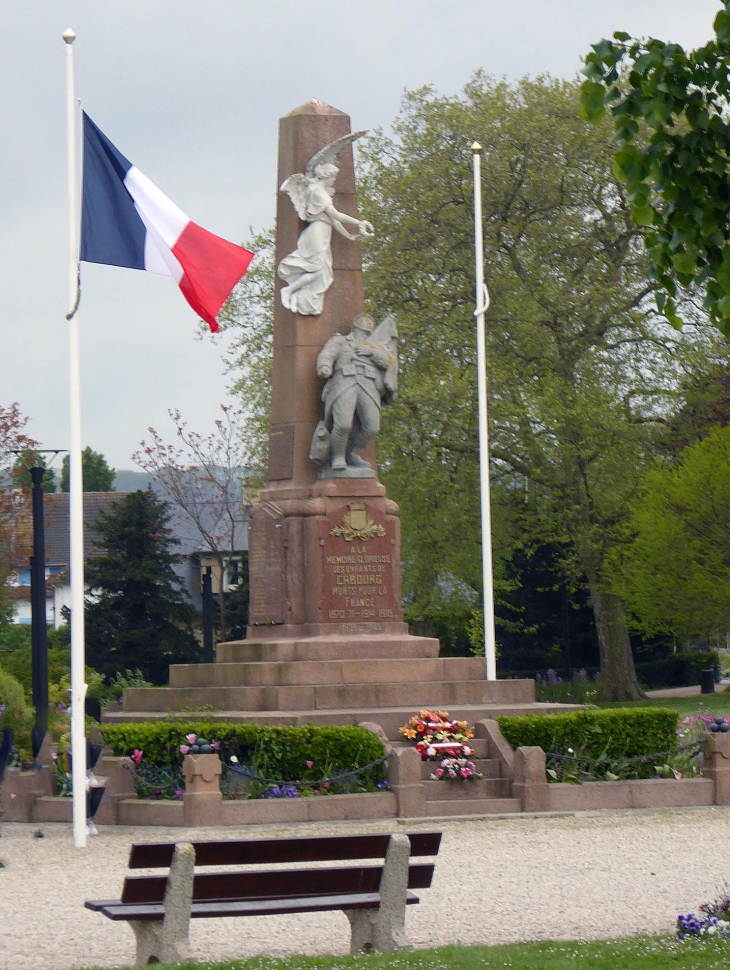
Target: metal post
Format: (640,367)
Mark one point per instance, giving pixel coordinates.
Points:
(482,302)
(208,656)
(76,495)
(38,634)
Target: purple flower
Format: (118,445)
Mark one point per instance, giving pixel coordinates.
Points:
(383,785)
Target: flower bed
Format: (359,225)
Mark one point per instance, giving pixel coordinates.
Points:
(712,919)
(260,761)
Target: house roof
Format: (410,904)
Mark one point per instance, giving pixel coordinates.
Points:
(57,522)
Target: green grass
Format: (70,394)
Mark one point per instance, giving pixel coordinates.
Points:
(718,703)
(632,953)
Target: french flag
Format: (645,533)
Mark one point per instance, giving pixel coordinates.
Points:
(127,221)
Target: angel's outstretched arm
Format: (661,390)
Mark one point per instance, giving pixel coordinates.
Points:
(340,220)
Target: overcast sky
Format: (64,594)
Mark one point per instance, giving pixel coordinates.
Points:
(191,93)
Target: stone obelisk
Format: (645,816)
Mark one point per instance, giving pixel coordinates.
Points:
(324,555)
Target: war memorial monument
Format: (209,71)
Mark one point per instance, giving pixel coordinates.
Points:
(326,641)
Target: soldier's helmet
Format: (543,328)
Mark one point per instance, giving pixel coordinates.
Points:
(363,321)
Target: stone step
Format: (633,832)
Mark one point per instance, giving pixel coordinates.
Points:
(357,647)
(326,672)
(444,791)
(389,719)
(413,695)
(472,806)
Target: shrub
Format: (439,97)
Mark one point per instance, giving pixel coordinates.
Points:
(676,670)
(281,753)
(614,734)
(15,713)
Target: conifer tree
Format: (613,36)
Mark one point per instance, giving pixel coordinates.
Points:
(136,615)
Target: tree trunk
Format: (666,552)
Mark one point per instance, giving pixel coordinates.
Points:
(618,676)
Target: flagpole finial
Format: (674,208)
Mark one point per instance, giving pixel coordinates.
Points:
(68,36)
(476,148)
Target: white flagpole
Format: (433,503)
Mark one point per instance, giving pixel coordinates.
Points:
(76,492)
(482,303)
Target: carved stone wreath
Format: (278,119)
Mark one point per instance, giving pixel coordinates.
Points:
(357,524)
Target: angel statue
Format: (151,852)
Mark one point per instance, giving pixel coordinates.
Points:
(307,271)
(361,374)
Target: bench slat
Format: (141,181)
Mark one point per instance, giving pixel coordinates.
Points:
(255,907)
(284,883)
(158,855)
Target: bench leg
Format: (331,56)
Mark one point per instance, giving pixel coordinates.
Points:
(384,928)
(166,941)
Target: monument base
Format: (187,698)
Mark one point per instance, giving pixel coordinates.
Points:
(324,560)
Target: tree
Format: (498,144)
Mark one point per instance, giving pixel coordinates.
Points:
(20,472)
(203,477)
(15,527)
(136,614)
(581,370)
(675,574)
(669,108)
(96,473)
(248,316)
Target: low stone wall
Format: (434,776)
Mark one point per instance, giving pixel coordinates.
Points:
(537,795)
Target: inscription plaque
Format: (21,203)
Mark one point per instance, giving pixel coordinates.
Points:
(267,603)
(357,545)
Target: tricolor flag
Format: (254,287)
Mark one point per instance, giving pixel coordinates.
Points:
(127,221)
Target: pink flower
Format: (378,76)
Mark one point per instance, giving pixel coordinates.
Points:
(310,764)
(326,785)
(464,772)
(137,756)
(192,738)
(452,773)
(439,772)
(215,745)
(184,749)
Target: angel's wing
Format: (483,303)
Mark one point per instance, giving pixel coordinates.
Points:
(386,333)
(297,188)
(330,153)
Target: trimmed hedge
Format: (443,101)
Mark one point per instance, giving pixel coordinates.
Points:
(676,670)
(622,732)
(276,752)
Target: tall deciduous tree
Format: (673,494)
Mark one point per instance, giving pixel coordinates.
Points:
(580,367)
(136,614)
(96,473)
(203,477)
(15,525)
(675,574)
(669,107)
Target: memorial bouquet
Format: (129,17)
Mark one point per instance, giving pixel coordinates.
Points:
(456,769)
(436,734)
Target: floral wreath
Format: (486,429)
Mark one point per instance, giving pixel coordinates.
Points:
(436,735)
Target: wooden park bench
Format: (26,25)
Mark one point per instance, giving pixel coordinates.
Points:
(373,897)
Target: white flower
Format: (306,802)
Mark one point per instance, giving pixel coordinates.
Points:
(711,930)
(431,752)
(234,759)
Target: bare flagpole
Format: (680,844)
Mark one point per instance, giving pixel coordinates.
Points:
(482,303)
(76,488)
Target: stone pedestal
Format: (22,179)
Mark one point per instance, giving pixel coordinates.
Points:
(716,765)
(202,800)
(327,564)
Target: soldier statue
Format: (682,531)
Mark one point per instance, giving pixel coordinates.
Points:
(361,372)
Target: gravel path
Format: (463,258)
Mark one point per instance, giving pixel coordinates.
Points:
(507,879)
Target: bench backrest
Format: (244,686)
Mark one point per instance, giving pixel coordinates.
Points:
(282,883)
(333,848)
